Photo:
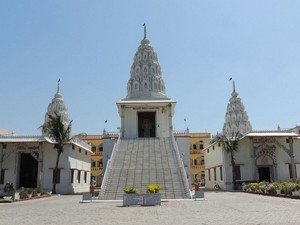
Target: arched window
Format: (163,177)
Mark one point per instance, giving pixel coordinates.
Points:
(146,85)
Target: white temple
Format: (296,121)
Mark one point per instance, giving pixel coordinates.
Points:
(146,111)
(236,118)
(146,152)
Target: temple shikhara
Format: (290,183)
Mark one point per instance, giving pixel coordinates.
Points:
(146,151)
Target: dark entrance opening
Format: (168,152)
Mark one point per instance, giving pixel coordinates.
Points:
(28,171)
(146,124)
(264,174)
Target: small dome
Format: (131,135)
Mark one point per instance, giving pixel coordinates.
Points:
(57,106)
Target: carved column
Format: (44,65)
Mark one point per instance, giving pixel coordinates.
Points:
(254,170)
(170,120)
(40,165)
(292,158)
(1,157)
(122,108)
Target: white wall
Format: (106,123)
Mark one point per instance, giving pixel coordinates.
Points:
(69,159)
(163,123)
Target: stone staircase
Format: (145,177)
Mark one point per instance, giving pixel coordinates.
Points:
(143,161)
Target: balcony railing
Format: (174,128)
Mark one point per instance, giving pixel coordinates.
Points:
(98,153)
(196,151)
(201,167)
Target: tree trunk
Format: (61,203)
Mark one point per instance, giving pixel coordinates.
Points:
(233,171)
(55,172)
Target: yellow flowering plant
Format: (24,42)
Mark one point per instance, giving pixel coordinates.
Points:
(153,188)
(130,190)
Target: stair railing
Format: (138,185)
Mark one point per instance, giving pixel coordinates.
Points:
(182,170)
(107,168)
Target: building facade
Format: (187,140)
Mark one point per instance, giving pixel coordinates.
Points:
(29,161)
(260,155)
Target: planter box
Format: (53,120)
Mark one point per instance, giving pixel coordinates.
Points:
(199,194)
(152,199)
(142,199)
(132,199)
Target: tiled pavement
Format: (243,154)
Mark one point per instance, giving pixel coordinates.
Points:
(218,208)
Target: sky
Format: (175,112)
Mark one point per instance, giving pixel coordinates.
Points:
(90,45)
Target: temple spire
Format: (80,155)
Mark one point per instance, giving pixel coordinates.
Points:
(58,86)
(145,31)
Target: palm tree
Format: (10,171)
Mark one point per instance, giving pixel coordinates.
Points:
(230,146)
(60,133)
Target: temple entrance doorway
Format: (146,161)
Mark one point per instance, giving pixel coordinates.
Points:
(146,124)
(264,174)
(28,171)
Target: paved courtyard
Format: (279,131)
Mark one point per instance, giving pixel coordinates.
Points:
(218,208)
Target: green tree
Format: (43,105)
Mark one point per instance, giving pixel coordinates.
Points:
(230,146)
(60,133)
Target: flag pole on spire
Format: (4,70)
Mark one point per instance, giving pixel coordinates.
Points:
(58,86)
(145,31)
(233,84)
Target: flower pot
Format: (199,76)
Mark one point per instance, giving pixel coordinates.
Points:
(132,199)
(152,199)
(278,192)
(29,195)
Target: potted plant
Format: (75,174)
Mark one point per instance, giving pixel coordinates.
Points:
(153,197)
(29,192)
(23,193)
(39,191)
(131,197)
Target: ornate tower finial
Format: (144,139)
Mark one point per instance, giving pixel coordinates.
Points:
(58,86)
(145,31)
(233,86)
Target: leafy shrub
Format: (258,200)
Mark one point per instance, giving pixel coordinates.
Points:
(130,190)
(153,188)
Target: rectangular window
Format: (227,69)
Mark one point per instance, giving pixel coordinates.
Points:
(73,147)
(93,164)
(2,176)
(202,161)
(221,173)
(85,176)
(194,147)
(215,173)
(238,172)
(93,149)
(201,146)
(195,162)
(101,149)
(72,176)
(209,174)
(290,171)
(79,150)
(4,146)
(56,176)
(78,175)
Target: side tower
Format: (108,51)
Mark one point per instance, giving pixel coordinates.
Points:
(236,118)
(146,111)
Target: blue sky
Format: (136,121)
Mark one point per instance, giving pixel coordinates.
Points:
(90,46)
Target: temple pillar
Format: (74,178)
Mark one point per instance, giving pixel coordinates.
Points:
(293,170)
